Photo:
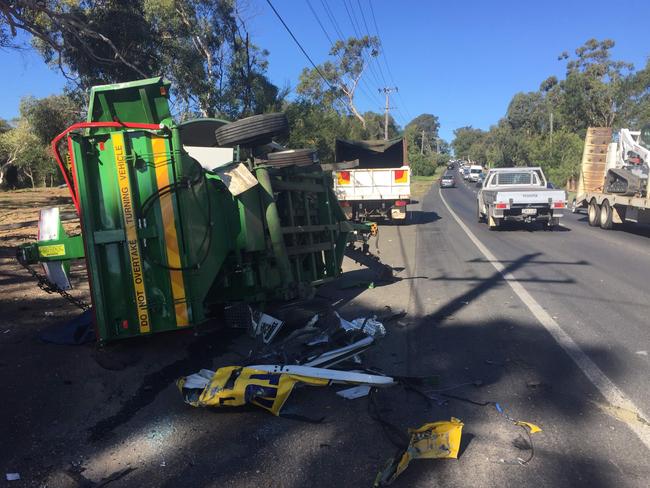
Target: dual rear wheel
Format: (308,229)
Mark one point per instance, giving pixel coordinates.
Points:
(600,215)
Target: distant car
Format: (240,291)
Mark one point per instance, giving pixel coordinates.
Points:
(475,171)
(447,181)
(479,182)
(465,173)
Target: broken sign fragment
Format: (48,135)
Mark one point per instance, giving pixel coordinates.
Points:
(436,440)
(234,386)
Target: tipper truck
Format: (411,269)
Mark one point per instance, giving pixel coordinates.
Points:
(377,185)
(613,183)
(184,222)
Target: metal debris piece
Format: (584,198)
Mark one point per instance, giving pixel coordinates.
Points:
(354,392)
(267,386)
(368,325)
(264,326)
(329,374)
(436,440)
(234,386)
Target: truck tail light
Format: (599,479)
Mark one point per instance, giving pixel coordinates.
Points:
(401,203)
(344,177)
(501,205)
(400,176)
(559,205)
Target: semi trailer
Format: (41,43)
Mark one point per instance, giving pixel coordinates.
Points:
(613,184)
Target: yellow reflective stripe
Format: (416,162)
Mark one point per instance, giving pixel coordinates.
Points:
(119,149)
(161,163)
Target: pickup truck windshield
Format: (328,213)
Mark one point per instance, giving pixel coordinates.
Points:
(475,171)
(523,178)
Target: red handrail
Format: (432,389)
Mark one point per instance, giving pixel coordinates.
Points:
(72,186)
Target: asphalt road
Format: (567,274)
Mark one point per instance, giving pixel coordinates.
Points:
(593,282)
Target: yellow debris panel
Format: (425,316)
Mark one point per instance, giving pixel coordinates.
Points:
(234,386)
(435,440)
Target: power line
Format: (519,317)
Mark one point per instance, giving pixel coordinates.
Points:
(298,44)
(383,53)
(357,31)
(363,86)
(363,16)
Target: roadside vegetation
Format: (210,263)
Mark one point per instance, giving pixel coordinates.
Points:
(204,48)
(547,127)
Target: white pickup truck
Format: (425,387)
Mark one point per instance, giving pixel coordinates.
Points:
(379,187)
(521,194)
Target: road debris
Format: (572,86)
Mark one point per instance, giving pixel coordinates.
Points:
(12,476)
(324,341)
(266,386)
(354,392)
(435,440)
(264,326)
(303,357)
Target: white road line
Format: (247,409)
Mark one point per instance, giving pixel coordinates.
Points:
(606,387)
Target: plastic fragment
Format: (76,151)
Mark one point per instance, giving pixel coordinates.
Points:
(354,392)
(368,325)
(12,476)
(436,440)
(234,386)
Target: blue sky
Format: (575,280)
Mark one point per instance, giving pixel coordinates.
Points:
(461,61)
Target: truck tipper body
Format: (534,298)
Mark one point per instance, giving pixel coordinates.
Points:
(378,187)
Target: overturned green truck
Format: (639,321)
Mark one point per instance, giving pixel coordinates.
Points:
(180,220)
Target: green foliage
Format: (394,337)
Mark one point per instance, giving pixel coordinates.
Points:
(49,116)
(318,126)
(340,77)
(202,46)
(26,147)
(427,124)
(464,138)
(560,157)
(423,163)
(21,148)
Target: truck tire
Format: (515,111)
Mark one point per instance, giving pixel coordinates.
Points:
(574,206)
(298,157)
(252,131)
(593,214)
(606,216)
(479,216)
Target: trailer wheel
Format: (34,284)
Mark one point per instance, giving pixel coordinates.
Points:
(298,157)
(605,216)
(252,131)
(593,213)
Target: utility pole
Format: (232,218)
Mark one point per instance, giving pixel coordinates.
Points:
(387,90)
(422,143)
